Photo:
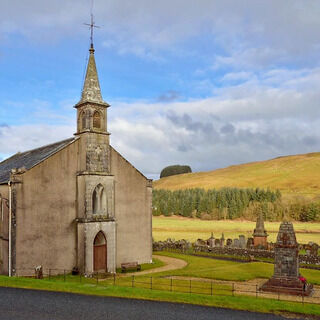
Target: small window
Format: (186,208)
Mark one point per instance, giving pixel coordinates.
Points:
(96,120)
(84,121)
(98,200)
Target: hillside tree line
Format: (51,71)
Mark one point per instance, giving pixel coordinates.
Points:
(230,203)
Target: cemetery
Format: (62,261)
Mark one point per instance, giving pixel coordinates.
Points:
(255,247)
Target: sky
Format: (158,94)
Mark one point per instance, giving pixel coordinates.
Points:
(205,83)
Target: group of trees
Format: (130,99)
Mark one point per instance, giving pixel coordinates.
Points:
(173,170)
(226,203)
(232,203)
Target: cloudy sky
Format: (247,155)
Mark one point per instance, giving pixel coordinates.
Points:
(208,83)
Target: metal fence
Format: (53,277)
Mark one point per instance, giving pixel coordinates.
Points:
(171,284)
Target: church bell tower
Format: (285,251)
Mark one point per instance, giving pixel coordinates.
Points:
(92,119)
(95,184)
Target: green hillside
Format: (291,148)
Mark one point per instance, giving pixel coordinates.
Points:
(298,174)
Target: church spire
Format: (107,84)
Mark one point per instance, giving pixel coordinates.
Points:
(91,91)
(91,109)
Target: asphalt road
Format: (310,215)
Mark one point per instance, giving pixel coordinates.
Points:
(18,304)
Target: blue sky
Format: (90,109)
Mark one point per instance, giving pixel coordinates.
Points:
(205,83)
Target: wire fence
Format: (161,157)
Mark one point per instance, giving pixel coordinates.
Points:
(172,284)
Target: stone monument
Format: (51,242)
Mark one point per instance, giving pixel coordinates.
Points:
(260,234)
(286,277)
(210,241)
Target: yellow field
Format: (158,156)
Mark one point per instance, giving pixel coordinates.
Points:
(299,174)
(192,229)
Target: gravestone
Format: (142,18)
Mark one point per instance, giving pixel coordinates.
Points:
(242,241)
(229,242)
(217,243)
(260,234)
(236,243)
(314,249)
(210,241)
(222,240)
(249,243)
(286,265)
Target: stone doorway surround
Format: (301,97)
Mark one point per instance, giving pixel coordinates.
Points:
(87,232)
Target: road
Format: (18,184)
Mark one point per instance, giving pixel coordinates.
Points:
(21,304)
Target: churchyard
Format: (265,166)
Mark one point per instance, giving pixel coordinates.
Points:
(192,229)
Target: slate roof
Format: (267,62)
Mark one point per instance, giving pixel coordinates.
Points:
(29,159)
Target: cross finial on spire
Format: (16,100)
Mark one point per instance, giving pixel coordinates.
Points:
(92,26)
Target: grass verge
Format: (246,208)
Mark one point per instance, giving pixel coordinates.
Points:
(236,302)
(202,267)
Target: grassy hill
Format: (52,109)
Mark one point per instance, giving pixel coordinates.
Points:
(298,174)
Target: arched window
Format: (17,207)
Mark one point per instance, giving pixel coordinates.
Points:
(99,200)
(83,120)
(96,120)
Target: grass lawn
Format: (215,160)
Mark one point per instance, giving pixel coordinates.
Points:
(228,270)
(192,229)
(236,302)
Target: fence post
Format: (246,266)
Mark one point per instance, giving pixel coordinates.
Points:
(49,274)
(114,279)
(278,295)
(133,281)
(233,289)
(80,276)
(211,288)
(151,283)
(64,275)
(190,289)
(256,291)
(171,284)
(97,278)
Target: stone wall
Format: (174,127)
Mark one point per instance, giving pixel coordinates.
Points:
(183,246)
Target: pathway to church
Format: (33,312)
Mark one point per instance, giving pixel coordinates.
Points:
(170,264)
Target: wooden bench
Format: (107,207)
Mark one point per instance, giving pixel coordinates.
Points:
(130,266)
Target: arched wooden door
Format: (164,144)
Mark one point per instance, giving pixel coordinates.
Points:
(100,252)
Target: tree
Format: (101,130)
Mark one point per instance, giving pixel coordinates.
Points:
(174,170)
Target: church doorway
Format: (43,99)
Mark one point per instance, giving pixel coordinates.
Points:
(100,252)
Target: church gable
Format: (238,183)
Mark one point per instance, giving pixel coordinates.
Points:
(116,154)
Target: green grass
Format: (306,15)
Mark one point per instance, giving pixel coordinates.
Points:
(192,229)
(237,302)
(228,270)
(293,175)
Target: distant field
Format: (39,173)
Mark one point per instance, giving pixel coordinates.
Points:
(192,229)
(299,174)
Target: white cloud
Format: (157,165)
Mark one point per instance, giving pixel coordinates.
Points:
(250,33)
(247,122)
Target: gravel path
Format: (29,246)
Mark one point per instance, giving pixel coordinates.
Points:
(170,264)
(21,304)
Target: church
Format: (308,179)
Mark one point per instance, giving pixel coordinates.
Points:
(76,203)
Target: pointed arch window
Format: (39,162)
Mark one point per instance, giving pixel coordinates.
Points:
(85,115)
(99,200)
(97,120)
